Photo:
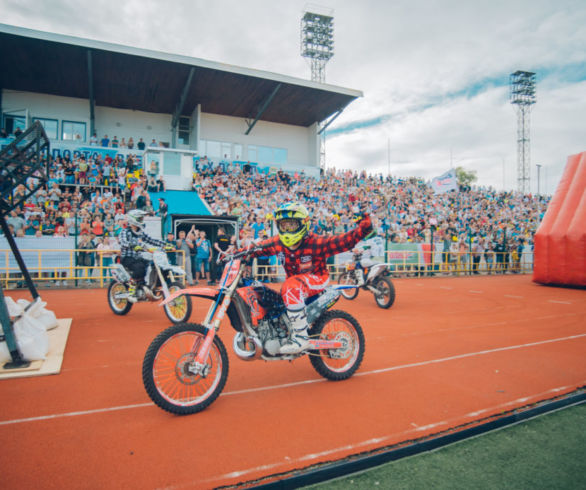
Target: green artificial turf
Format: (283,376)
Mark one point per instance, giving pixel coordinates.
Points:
(547,452)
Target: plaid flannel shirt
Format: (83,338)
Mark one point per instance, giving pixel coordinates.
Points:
(311,256)
(128,240)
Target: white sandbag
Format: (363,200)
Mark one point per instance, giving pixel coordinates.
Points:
(46,317)
(31,337)
(4,354)
(14,308)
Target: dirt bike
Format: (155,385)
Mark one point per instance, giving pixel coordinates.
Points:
(370,276)
(160,282)
(186,366)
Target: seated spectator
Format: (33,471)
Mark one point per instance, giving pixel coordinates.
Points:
(152,184)
(160,184)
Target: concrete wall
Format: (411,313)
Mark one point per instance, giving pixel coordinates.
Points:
(299,142)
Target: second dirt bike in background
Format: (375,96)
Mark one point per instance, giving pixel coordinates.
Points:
(364,273)
(161,281)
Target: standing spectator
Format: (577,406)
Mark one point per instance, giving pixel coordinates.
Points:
(85,257)
(140,145)
(221,245)
(153,143)
(130,143)
(185,245)
(192,236)
(203,256)
(172,256)
(162,212)
(477,250)
(115,142)
(105,141)
(106,251)
(123,143)
(94,139)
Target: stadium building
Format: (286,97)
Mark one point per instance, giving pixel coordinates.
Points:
(189,107)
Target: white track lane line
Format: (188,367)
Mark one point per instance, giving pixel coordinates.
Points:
(299,383)
(466,418)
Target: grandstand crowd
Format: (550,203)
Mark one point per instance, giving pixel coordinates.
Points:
(90,197)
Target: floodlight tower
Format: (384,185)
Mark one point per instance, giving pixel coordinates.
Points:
(522,95)
(317,40)
(317,44)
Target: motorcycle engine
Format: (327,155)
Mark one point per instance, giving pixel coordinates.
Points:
(272,332)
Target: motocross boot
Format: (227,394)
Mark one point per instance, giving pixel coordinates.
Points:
(132,292)
(299,339)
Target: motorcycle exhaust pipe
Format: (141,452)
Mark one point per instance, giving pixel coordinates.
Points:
(247,349)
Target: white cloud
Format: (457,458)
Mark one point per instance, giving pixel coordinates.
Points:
(414,60)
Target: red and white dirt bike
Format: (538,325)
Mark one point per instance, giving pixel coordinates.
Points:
(186,366)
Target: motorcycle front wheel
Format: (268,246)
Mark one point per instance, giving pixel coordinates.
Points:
(349,279)
(386,296)
(341,363)
(179,310)
(167,375)
(120,306)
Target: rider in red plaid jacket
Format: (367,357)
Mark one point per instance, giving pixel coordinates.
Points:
(304,255)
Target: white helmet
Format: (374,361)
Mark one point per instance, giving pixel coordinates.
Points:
(136,218)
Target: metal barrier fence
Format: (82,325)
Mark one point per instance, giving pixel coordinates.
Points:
(64,269)
(68,272)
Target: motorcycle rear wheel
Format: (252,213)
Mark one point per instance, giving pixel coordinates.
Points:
(166,376)
(348,279)
(179,310)
(338,364)
(118,306)
(387,297)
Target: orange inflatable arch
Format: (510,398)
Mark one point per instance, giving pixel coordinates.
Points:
(560,241)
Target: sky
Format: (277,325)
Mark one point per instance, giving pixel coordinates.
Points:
(434,73)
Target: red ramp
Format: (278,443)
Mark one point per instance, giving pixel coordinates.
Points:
(560,241)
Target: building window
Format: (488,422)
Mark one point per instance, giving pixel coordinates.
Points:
(252,153)
(50,126)
(237,151)
(214,149)
(73,131)
(184,130)
(11,123)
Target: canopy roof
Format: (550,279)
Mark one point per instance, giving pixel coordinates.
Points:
(143,80)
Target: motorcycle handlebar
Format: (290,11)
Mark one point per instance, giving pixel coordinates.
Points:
(227,257)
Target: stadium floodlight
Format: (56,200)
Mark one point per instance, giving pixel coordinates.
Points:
(317,44)
(317,40)
(522,96)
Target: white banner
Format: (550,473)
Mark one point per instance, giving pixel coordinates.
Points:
(445,182)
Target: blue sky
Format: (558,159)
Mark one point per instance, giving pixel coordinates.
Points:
(434,72)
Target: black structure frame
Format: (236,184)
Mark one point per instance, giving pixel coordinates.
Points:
(24,163)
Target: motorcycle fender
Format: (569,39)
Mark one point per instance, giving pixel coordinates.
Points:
(209,293)
(377,270)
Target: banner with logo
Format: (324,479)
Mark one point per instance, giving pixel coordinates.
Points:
(445,183)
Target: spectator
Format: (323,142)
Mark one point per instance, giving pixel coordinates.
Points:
(153,143)
(185,245)
(130,143)
(94,139)
(140,145)
(115,142)
(203,256)
(105,141)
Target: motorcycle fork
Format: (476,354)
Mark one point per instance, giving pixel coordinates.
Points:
(163,282)
(204,350)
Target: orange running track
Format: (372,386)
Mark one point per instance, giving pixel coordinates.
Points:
(451,351)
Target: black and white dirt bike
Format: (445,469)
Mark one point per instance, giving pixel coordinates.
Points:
(186,366)
(365,273)
(161,281)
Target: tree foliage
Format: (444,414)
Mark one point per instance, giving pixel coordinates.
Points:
(465,177)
